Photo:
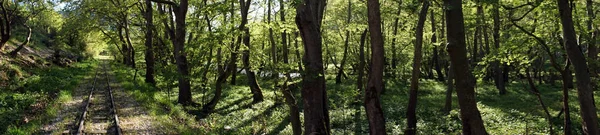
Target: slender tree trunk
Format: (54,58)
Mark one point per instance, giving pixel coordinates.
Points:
(394,52)
(499,76)
(436,57)
(565,89)
(274,73)
(254,88)
(359,79)
(450,88)
(234,53)
(584,88)
(592,47)
(287,89)
(293,106)
(340,74)
(476,36)
(284,41)
(537,93)
(16,51)
(298,56)
(465,83)
(411,114)
(375,84)
(149,48)
(309,15)
(124,46)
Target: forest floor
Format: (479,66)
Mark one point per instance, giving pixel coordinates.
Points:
(517,112)
(51,99)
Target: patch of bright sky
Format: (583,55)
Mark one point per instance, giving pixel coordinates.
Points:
(59,6)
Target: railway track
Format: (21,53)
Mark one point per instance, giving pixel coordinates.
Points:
(99,115)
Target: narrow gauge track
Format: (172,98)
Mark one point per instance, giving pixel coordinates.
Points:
(99,115)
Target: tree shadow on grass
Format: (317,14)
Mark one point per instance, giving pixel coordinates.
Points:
(267,112)
(280,127)
(224,111)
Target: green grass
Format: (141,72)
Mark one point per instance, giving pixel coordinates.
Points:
(170,115)
(518,112)
(36,100)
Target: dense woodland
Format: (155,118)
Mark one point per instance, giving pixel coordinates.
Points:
(333,66)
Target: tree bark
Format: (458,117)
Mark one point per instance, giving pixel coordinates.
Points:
(254,88)
(340,73)
(16,51)
(149,48)
(584,89)
(465,83)
(592,47)
(274,73)
(394,53)
(359,79)
(284,41)
(298,56)
(499,77)
(436,56)
(449,89)
(178,39)
(375,82)
(411,114)
(309,14)
(476,36)
(124,46)
(537,93)
(6,26)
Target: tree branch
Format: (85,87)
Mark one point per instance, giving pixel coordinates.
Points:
(541,42)
(166,2)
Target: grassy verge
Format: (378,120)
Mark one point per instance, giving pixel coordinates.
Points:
(36,98)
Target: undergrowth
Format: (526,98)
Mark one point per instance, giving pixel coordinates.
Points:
(26,105)
(517,112)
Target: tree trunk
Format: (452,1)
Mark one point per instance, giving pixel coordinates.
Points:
(149,48)
(309,15)
(394,53)
(284,41)
(359,79)
(375,82)
(537,93)
(411,114)
(584,89)
(450,87)
(5,28)
(254,88)
(287,89)
(124,47)
(476,36)
(592,47)
(16,51)
(465,83)
(565,89)
(274,73)
(436,56)
(499,76)
(298,56)
(293,106)
(131,50)
(178,39)
(340,73)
